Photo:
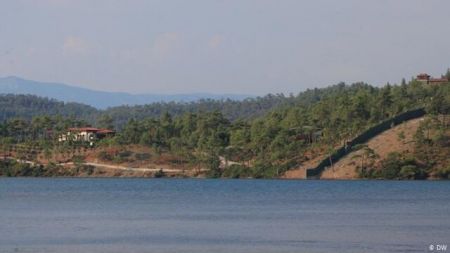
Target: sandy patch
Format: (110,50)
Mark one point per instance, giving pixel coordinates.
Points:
(383,144)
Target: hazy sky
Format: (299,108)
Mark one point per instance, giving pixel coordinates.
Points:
(222,46)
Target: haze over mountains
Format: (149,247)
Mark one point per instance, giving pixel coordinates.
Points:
(99,99)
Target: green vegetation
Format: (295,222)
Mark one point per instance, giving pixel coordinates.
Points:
(430,157)
(11,168)
(29,106)
(160,173)
(260,138)
(396,166)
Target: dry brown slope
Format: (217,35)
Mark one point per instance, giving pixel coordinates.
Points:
(383,144)
(300,172)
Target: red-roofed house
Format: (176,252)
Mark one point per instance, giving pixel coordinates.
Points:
(427,79)
(437,80)
(423,77)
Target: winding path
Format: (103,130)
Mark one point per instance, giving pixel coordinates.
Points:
(118,167)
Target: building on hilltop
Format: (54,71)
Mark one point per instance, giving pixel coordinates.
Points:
(85,134)
(423,77)
(427,79)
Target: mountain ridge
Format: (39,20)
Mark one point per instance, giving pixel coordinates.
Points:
(99,99)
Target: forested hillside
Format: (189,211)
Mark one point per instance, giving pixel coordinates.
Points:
(263,137)
(29,106)
(231,109)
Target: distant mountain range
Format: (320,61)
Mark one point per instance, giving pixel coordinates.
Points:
(99,99)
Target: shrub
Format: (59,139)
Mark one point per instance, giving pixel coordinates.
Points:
(105,156)
(52,169)
(12,168)
(5,168)
(160,173)
(391,166)
(368,173)
(38,171)
(441,139)
(401,136)
(78,159)
(443,173)
(122,156)
(264,170)
(237,171)
(397,166)
(142,156)
(125,154)
(409,172)
(212,162)
(88,169)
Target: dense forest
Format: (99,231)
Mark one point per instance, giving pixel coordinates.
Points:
(28,106)
(262,137)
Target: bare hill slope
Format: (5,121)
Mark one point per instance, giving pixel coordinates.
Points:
(398,139)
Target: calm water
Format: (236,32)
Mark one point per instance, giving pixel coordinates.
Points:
(139,215)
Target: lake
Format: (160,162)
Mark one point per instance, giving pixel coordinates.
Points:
(188,215)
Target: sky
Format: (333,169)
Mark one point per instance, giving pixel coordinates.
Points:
(222,46)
